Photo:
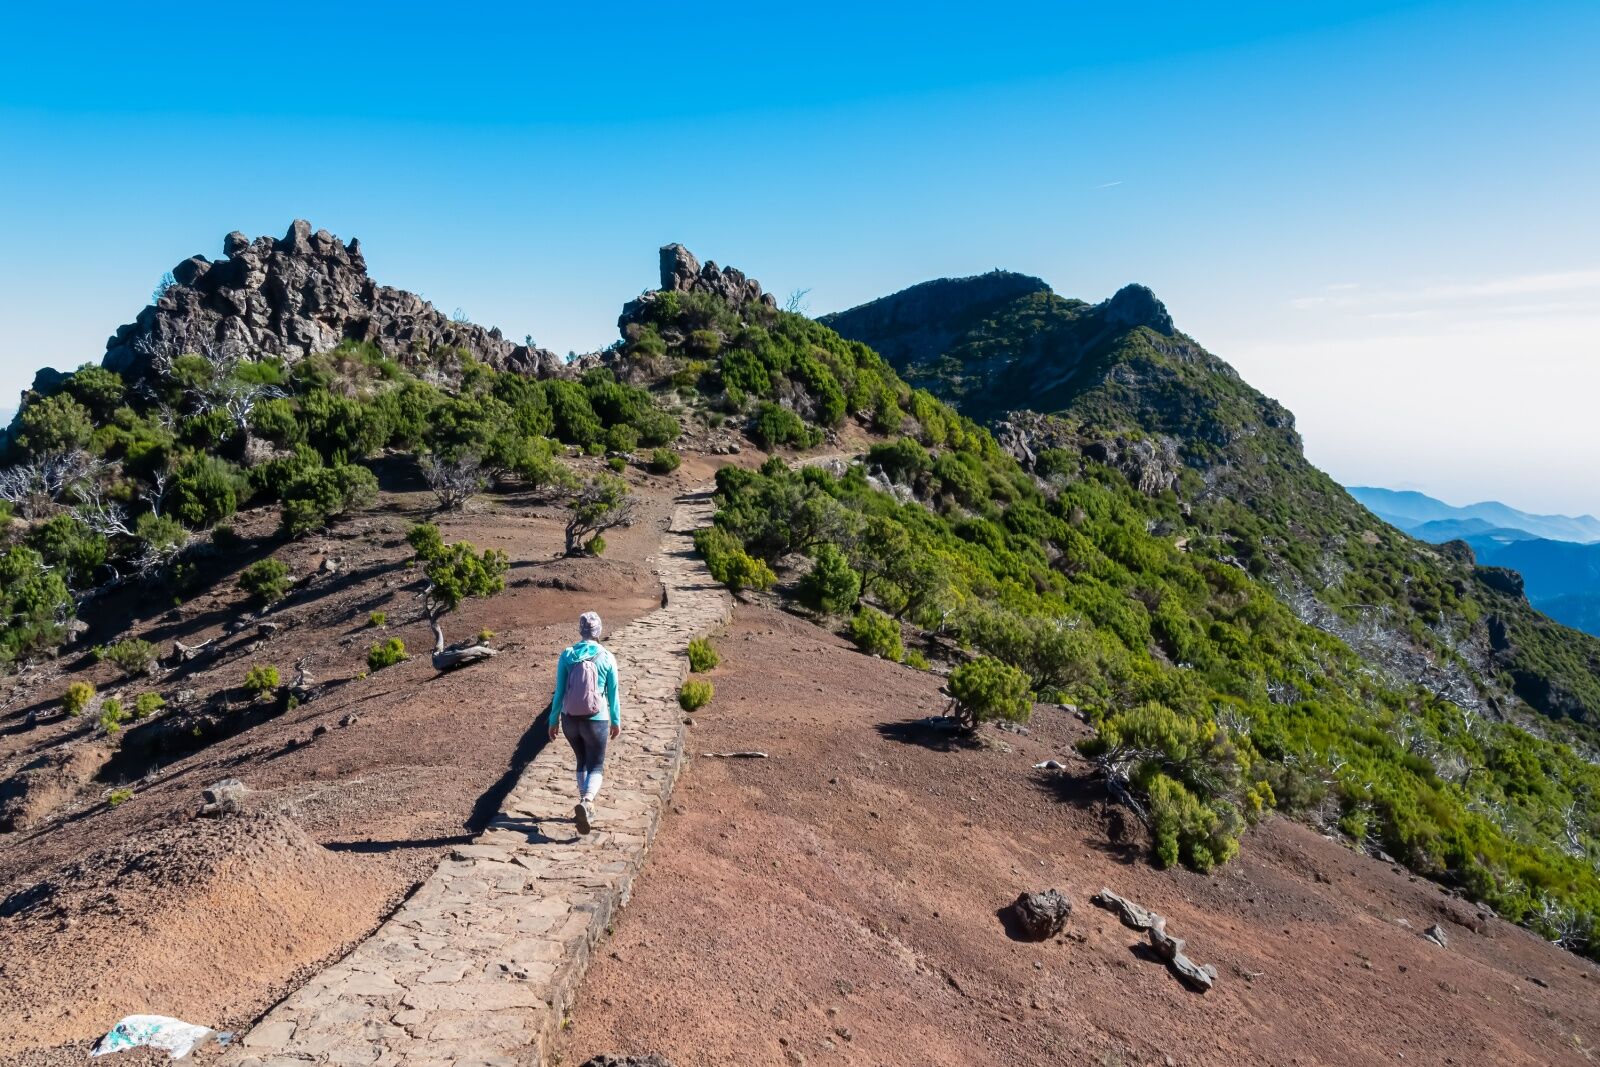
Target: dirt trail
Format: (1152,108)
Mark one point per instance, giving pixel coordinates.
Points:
(837,903)
(478,967)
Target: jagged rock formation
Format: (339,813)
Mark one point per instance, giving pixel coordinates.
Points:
(296,295)
(681,272)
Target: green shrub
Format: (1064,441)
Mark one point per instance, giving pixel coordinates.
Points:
(617,464)
(204,490)
(695,694)
(34,599)
(729,563)
(261,678)
(323,493)
(111,715)
(665,461)
(377,619)
(622,438)
(775,426)
(386,654)
(916,660)
(876,634)
(67,544)
(77,698)
(986,689)
(118,797)
(265,580)
(832,585)
(702,657)
(596,546)
(160,535)
(55,424)
(132,656)
(147,705)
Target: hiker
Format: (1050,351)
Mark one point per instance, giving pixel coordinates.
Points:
(587,707)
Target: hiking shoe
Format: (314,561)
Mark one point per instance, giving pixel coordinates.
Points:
(581,815)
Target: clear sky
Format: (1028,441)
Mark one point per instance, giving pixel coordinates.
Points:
(1383,213)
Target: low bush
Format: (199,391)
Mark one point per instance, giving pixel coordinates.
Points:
(729,563)
(377,619)
(876,634)
(832,586)
(77,698)
(266,581)
(111,715)
(147,705)
(664,461)
(261,678)
(132,656)
(986,689)
(386,654)
(118,797)
(776,426)
(702,657)
(617,464)
(695,694)
(596,546)
(323,493)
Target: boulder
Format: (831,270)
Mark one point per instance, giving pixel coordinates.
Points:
(226,797)
(1039,916)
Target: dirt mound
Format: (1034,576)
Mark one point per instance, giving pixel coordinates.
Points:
(229,897)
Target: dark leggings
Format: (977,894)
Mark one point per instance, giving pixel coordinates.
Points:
(588,739)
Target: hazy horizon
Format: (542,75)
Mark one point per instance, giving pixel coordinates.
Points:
(1379,213)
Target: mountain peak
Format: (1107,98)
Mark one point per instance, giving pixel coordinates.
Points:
(1136,305)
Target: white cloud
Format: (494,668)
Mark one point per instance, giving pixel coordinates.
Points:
(1348,295)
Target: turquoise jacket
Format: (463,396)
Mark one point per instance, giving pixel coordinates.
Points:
(605,666)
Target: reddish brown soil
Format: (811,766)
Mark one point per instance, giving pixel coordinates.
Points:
(143,908)
(838,903)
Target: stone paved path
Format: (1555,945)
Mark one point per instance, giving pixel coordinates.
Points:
(478,967)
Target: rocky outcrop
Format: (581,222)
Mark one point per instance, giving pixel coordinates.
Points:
(297,295)
(1151,464)
(681,272)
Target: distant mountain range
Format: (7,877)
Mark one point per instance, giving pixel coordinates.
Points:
(1411,510)
(1558,556)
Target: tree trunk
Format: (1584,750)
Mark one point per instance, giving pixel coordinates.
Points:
(445,659)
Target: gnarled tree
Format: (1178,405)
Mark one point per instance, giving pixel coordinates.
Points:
(455,572)
(599,505)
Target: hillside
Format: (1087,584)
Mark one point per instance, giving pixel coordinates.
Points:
(176,528)
(1116,383)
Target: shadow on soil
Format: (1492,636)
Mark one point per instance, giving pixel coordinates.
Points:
(932,733)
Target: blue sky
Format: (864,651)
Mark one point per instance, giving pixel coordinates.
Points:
(1382,213)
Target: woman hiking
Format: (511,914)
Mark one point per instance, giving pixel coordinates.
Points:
(587,707)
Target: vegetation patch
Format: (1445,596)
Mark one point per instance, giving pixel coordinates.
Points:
(695,694)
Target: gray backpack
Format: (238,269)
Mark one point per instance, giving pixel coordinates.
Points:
(581,697)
